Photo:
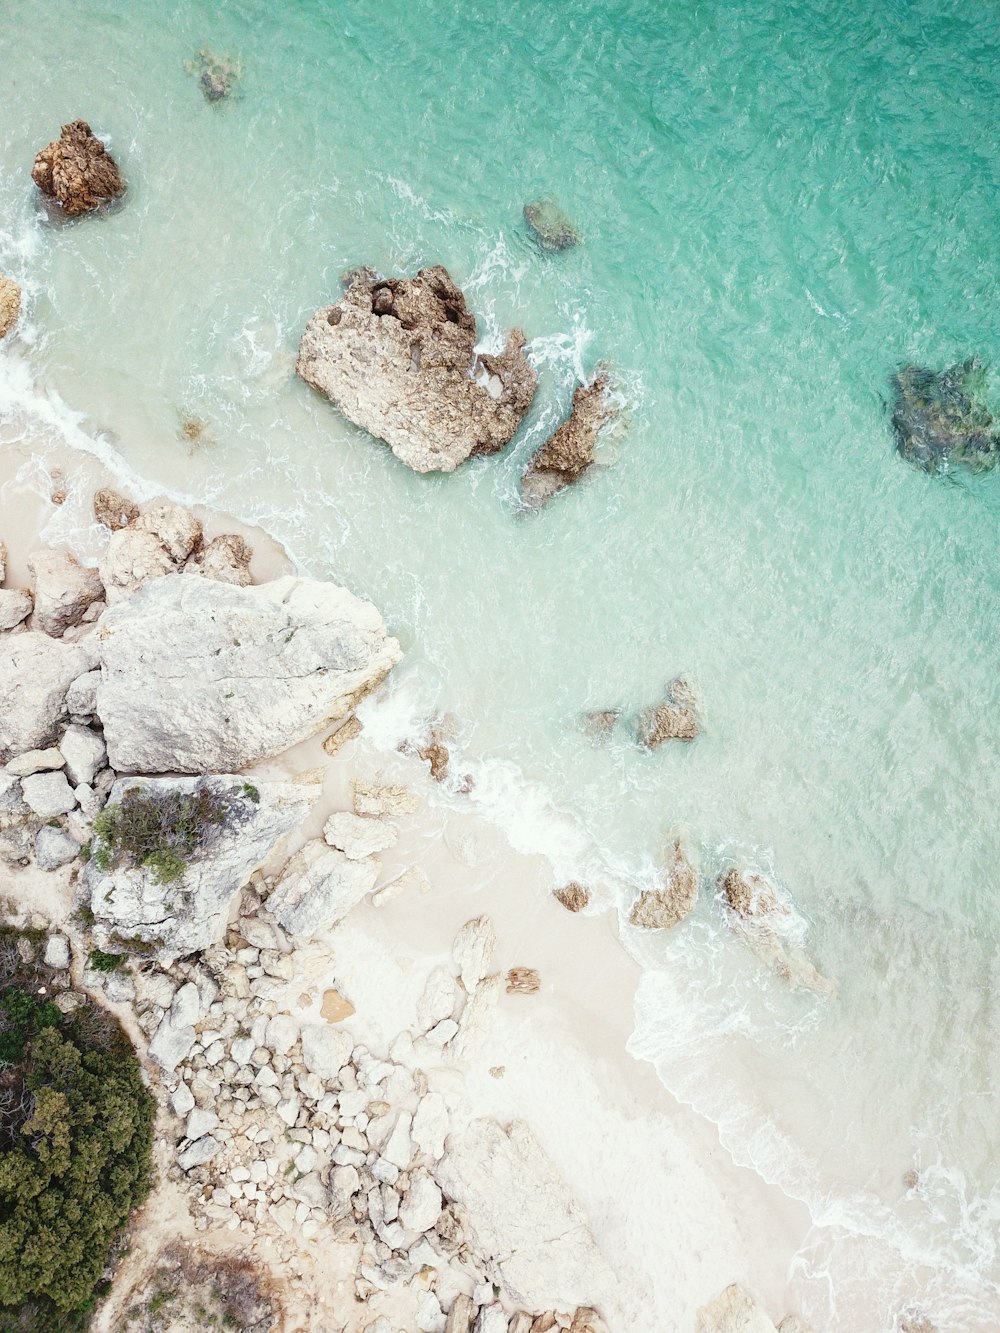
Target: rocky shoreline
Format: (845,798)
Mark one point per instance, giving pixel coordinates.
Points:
(279,1127)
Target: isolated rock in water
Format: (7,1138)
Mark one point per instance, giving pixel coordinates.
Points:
(528,1226)
(661,908)
(523,981)
(226,558)
(64,589)
(15,606)
(733,1312)
(190,913)
(939,418)
(204,677)
(10,304)
(599,723)
(574,897)
(749,895)
(397,357)
(318,887)
(217,75)
(35,673)
(569,451)
(552,228)
(77,171)
(674,720)
(114,510)
(132,560)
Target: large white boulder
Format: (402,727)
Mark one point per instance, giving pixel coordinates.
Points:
(191,913)
(531,1230)
(35,673)
(318,887)
(63,589)
(734,1311)
(200,676)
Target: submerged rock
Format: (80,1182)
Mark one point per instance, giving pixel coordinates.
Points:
(397,357)
(598,724)
(569,451)
(674,719)
(259,668)
(217,75)
(661,908)
(10,304)
(77,171)
(939,419)
(758,915)
(550,225)
(749,895)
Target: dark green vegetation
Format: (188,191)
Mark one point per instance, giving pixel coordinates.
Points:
(162,831)
(105,962)
(940,418)
(75,1139)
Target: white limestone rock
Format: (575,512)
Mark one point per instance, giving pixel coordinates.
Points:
(318,887)
(35,674)
(476,1018)
(439,998)
(15,607)
(201,676)
(734,1311)
(198,1153)
(529,1227)
(376,799)
(325,1050)
(421,1204)
(54,848)
(132,560)
(282,1034)
(199,1122)
(84,752)
(36,761)
(81,697)
(48,794)
(430,1125)
(399,1148)
(358,837)
(192,913)
(474,949)
(175,528)
(57,953)
(63,590)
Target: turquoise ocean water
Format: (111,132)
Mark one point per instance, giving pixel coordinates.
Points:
(780,203)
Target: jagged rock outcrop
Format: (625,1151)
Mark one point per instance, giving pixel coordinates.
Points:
(940,419)
(397,357)
(551,227)
(205,677)
(10,304)
(226,558)
(77,171)
(676,719)
(35,674)
(569,451)
(217,75)
(114,510)
(668,905)
(758,914)
(318,887)
(528,1226)
(64,590)
(176,918)
(574,897)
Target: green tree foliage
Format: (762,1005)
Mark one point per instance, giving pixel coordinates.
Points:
(75,1141)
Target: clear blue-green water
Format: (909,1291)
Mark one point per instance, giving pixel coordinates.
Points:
(780,204)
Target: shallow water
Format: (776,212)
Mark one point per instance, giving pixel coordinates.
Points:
(780,204)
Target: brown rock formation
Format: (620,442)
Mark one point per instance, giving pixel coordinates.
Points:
(661,908)
(10,304)
(569,451)
(397,357)
(749,895)
(523,981)
(77,171)
(574,897)
(674,719)
(113,510)
(598,724)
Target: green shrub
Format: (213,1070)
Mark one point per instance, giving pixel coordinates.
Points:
(162,831)
(21,1017)
(105,962)
(75,1139)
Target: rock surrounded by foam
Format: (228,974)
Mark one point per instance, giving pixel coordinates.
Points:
(569,452)
(397,357)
